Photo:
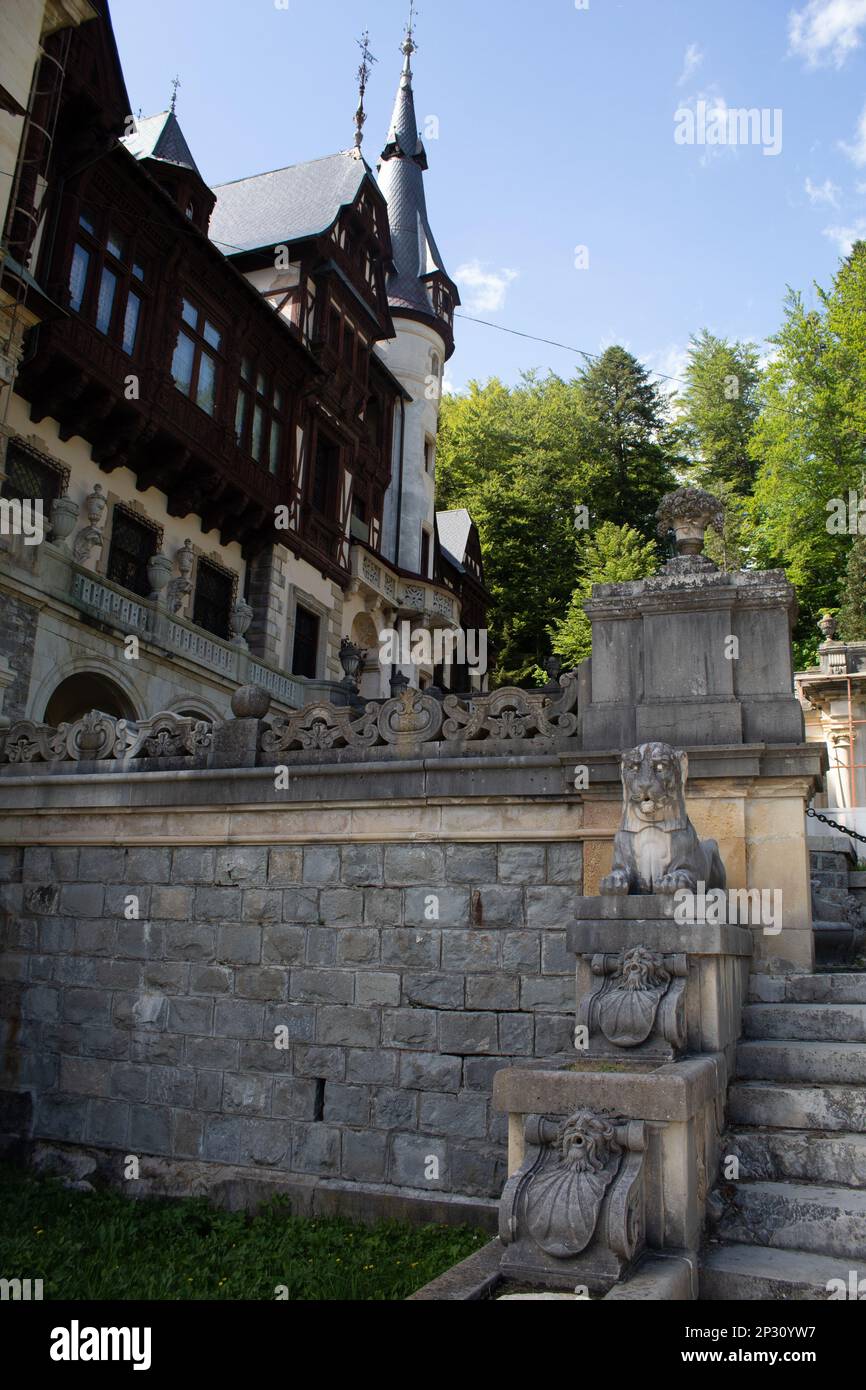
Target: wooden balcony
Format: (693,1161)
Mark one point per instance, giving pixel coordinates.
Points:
(82,380)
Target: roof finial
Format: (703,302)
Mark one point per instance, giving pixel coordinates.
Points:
(409,46)
(363,74)
(175,84)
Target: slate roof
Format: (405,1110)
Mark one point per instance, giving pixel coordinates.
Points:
(160,137)
(285,205)
(401,179)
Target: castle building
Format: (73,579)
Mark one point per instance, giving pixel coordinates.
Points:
(224,403)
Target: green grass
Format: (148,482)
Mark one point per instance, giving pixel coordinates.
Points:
(104,1245)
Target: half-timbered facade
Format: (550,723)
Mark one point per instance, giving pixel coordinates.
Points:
(209,416)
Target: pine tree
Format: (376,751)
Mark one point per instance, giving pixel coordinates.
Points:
(852,614)
(613,555)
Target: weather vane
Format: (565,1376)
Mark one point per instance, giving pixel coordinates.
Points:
(175,84)
(409,45)
(363,74)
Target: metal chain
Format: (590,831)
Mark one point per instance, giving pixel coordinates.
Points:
(834,825)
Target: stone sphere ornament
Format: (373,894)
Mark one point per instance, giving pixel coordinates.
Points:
(251,702)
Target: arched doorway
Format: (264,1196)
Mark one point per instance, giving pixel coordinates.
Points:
(78,694)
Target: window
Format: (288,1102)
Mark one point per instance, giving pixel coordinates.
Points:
(326,474)
(359,526)
(31,477)
(102,279)
(261,423)
(429,455)
(306,647)
(133,541)
(194,364)
(425,554)
(214,595)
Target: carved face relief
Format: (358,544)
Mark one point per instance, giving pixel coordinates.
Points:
(586,1142)
(653,776)
(640,969)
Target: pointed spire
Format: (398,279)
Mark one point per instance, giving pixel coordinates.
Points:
(403,136)
(419,285)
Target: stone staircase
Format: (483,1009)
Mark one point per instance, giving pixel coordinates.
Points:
(795,1218)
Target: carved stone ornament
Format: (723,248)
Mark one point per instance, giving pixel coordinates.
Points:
(64,514)
(688,512)
(159,569)
(89,538)
(638,995)
(656,849)
(413,716)
(251,702)
(99,737)
(240,618)
(578,1193)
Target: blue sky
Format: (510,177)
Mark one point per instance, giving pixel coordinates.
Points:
(556,124)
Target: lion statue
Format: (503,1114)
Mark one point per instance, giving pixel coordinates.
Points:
(656,849)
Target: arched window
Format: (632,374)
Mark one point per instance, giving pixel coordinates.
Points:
(79,694)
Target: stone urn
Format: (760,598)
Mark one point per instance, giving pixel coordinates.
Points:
(95,505)
(251,702)
(688,512)
(184,558)
(239,622)
(159,569)
(64,514)
(827,625)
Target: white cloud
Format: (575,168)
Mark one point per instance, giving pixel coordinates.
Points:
(670,361)
(845,237)
(691,62)
(826,31)
(856,152)
(485,289)
(827,192)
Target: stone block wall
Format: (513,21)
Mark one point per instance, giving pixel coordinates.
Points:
(397,978)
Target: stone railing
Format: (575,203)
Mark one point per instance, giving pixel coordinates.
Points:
(176,634)
(418,598)
(414,718)
(100,737)
(510,719)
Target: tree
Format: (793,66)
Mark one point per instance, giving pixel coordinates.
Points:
(632,433)
(718,411)
(852,614)
(535,465)
(809,439)
(613,555)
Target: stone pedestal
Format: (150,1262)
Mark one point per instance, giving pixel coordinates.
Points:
(674,1113)
(650,987)
(613,1149)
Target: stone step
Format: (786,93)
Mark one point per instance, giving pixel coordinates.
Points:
(830,878)
(816,1022)
(837,1062)
(836,987)
(732,1272)
(819,1218)
(767,1104)
(801,1155)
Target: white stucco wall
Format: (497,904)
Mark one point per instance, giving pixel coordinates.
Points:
(409,357)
